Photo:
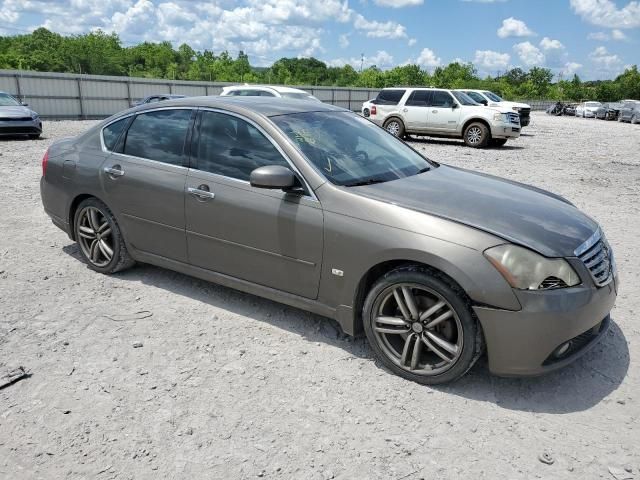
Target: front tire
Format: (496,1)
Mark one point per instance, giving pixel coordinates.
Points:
(395,127)
(477,135)
(99,238)
(420,327)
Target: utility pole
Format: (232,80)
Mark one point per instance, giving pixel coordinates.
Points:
(361,61)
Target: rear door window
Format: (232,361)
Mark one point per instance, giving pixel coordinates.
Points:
(111,133)
(159,136)
(389,97)
(418,98)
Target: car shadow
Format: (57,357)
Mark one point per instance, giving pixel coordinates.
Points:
(577,387)
(458,143)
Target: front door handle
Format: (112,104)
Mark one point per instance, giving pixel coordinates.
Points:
(115,171)
(405,110)
(201,192)
(434,111)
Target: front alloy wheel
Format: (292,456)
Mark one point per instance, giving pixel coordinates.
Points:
(420,327)
(477,135)
(395,127)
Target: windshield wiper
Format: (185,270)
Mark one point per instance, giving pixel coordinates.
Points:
(366,181)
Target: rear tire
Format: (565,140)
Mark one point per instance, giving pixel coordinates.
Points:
(477,135)
(99,238)
(395,127)
(400,334)
(498,142)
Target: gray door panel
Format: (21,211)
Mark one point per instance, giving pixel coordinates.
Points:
(148,200)
(267,237)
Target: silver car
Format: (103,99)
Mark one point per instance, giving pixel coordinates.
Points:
(17,119)
(316,207)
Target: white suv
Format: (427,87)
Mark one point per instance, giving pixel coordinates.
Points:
(488,98)
(442,113)
(247,90)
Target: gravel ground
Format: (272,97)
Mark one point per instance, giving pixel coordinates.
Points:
(227,385)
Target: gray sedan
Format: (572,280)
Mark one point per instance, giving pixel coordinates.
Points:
(316,207)
(17,119)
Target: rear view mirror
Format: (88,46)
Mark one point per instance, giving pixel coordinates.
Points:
(273,177)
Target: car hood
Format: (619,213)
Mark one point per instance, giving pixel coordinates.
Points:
(522,214)
(488,109)
(16,111)
(510,105)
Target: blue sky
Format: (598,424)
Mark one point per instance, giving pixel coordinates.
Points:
(594,38)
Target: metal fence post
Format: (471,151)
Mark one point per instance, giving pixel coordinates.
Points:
(129,99)
(18,89)
(79,81)
(349,99)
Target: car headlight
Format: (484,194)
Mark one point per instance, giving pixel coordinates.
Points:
(500,117)
(517,109)
(34,115)
(527,270)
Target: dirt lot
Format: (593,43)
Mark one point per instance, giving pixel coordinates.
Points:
(227,385)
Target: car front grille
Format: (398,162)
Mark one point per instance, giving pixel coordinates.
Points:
(514,118)
(525,112)
(596,255)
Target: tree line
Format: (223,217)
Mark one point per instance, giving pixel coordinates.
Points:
(100,53)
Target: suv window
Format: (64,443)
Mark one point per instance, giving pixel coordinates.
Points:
(111,133)
(418,98)
(389,97)
(441,99)
(158,136)
(231,147)
(476,97)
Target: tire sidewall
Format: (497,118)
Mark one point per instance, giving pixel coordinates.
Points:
(116,234)
(470,337)
(486,136)
(400,125)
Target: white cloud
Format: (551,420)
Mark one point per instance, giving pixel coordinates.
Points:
(548,44)
(375,29)
(600,36)
(428,59)
(512,27)
(490,60)
(412,42)
(529,54)
(398,3)
(343,40)
(570,68)
(618,34)
(605,59)
(604,37)
(381,59)
(605,13)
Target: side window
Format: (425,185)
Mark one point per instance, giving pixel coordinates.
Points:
(111,133)
(441,99)
(231,147)
(158,136)
(418,98)
(389,97)
(475,96)
(264,93)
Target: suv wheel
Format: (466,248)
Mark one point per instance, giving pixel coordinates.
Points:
(477,135)
(99,238)
(420,328)
(395,127)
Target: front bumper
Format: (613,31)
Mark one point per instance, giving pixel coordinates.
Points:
(521,343)
(505,130)
(21,127)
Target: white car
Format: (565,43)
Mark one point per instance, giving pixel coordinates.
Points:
(437,112)
(490,99)
(266,91)
(587,109)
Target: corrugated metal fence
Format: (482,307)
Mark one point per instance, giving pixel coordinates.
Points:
(72,96)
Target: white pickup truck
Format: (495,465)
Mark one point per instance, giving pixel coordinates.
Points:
(490,99)
(437,112)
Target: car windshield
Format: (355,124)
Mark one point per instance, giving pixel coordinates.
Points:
(492,96)
(299,96)
(592,104)
(350,150)
(464,99)
(7,100)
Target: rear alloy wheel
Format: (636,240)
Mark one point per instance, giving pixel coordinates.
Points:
(394,127)
(420,328)
(99,238)
(477,135)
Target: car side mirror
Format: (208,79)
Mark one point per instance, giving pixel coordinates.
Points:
(24,104)
(273,177)
(484,102)
(454,106)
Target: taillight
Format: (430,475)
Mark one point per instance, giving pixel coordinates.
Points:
(45,160)
(373,110)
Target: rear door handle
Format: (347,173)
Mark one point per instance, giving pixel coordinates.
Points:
(201,193)
(115,171)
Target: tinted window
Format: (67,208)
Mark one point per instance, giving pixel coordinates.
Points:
(441,99)
(476,97)
(158,135)
(112,132)
(419,98)
(389,97)
(231,147)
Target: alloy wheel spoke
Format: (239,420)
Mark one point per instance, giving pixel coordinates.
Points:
(415,356)
(436,350)
(94,251)
(427,313)
(86,232)
(93,219)
(103,228)
(406,349)
(441,342)
(410,301)
(397,294)
(105,249)
(395,321)
(436,321)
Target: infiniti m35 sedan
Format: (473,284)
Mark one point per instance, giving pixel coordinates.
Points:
(314,206)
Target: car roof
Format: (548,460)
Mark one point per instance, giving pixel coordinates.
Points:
(266,106)
(277,88)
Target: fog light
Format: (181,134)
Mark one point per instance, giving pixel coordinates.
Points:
(561,350)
